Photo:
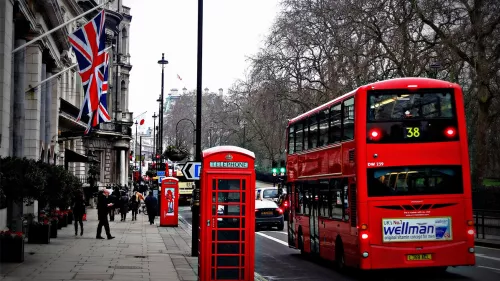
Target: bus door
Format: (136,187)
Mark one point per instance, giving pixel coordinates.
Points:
(313,216)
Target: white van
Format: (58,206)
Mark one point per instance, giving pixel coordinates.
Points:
(267,193)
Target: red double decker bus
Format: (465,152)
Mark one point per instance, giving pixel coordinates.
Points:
(379,177)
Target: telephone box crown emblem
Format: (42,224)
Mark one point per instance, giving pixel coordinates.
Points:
(229,157)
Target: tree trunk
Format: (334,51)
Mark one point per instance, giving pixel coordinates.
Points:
(481,151)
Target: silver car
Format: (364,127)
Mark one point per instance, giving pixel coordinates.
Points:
(268,214)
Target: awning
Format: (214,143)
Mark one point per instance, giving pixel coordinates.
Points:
(72,156)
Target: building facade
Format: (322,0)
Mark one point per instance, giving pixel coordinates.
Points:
(41,92)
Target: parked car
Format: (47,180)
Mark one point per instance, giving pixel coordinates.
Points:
(268,214)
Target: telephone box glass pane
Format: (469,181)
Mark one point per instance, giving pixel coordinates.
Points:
(227,274)
(228,261)
(243,184)
(214,184)
(228,223)
(228,210)
(226,248)
(229,185)
(229,197)
(228,235)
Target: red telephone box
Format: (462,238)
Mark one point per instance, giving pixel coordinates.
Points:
(227,214)
(169,207)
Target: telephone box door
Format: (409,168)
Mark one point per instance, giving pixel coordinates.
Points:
(230,237)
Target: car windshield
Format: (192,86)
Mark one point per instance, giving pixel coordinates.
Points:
(270,193)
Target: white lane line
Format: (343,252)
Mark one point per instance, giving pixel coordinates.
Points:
(487,257)
(272,238)
(280,232)
(489,248)
(487,267)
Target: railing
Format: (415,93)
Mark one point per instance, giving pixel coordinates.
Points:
(487,223)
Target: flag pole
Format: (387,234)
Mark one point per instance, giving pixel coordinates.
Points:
(57,74)
(60,26)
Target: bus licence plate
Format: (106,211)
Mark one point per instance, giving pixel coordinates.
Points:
(420,257)
(267,213)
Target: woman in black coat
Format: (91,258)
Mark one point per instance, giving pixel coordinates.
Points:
(78,211)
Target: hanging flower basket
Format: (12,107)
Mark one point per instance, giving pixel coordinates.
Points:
(176,153)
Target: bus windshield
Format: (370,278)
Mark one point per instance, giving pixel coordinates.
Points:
(404,105)
(411,181)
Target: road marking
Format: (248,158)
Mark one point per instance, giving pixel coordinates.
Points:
(488,248)
(487,267)
(487,257)
(280,232)
(272,238)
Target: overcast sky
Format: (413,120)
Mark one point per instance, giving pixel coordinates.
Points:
(232,31)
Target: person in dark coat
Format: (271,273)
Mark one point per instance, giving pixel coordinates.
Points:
(151,205)
(103,206)
(124,205)
(114,198)
(78,211)
(134,204)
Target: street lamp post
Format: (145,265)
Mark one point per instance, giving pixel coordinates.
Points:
(140,160)
(194,130)
(154,139)
(199,80)
(163,62)
(135,145)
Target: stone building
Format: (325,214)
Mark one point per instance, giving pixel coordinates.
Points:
(38,119)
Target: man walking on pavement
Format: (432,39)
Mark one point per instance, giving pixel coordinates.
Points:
(102,213)
(151,205)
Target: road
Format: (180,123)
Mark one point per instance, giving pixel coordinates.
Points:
(275,261)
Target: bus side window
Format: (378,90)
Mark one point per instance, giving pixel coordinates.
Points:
(323,200)
(335,123)
(313,132)
(324,127)
(336,204)
(291,139)
(299,137)
(348,119)
(306,196)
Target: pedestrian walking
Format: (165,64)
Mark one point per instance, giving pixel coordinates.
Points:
(103,206)
(151,205)
(115,199)
(135,200)
(78,211)
(124,205)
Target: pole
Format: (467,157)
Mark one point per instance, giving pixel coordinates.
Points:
(163,62)
(57,74)
(60,26)
(140,159)
(135,146)
(196,207)
(117,84)
(154,139)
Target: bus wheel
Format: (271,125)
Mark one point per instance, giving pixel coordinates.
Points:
(339,256)
(301,243)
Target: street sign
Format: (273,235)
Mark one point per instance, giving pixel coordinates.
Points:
(192,170)
(160,173)
(160,178)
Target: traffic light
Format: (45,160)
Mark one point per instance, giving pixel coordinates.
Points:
(282,170)
(275,170)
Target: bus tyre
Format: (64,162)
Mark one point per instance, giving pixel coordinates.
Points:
(339,256)
(300,241)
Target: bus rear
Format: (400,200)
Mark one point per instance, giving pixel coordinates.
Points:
(416,207)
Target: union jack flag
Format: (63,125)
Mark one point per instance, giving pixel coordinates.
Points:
(89,43)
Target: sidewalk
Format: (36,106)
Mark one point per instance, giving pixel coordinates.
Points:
(139,252)
(492,241)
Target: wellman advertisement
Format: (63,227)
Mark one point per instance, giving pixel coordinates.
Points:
(416,229)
